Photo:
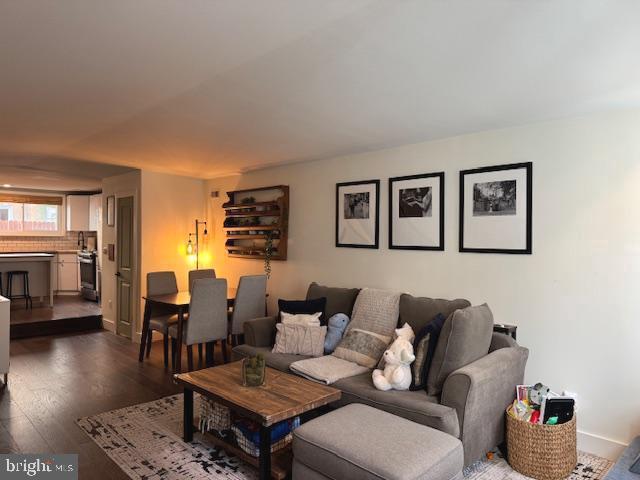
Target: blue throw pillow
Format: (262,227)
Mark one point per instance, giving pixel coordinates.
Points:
(424,347)
(335,330)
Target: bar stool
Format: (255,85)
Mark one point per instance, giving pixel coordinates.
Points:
(25,286)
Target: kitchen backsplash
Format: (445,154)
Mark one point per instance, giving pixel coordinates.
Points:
(42,244)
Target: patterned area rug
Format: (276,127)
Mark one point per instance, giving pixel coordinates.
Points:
(146,442)
(589,467)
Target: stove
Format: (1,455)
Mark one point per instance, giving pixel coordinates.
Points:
(88,274)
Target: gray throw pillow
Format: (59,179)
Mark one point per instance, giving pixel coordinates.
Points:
(465,337)
(362,347)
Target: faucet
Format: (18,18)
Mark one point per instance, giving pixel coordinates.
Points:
(81,242)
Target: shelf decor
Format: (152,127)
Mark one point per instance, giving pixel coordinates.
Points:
(416,212)
(256,223)
(495,209)
(358,214)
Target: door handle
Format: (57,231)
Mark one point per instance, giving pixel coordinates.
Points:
(118,274)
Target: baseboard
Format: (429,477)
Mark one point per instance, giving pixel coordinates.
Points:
(155,337)
(108,324)
(597,445)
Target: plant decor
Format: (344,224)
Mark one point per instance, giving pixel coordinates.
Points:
(253,371)
(268,253)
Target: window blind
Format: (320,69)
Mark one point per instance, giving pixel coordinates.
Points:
(33,199)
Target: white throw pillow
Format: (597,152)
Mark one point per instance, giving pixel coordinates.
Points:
(300,339)
(310,320)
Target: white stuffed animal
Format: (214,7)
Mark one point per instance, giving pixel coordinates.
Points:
(397,358)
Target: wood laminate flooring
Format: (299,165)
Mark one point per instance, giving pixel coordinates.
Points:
(56,379)
(70,313)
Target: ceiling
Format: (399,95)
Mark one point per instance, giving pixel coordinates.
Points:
(212,87)
(51,173)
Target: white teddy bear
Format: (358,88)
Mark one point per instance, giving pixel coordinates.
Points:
(397,358)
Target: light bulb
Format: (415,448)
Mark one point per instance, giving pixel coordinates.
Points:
(189,248)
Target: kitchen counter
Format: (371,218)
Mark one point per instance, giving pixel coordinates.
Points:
(44,251)
(40,268)
(26,255)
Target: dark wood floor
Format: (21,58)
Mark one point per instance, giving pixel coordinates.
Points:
(64,306)
(54,380)
(69,314)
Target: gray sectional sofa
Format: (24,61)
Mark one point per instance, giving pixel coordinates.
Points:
(473,398)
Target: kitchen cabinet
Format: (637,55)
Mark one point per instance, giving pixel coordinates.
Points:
(78,213)
(95,212)
(68,272)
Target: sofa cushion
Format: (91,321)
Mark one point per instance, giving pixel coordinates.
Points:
(424,348)
(362,347)
(360,442)
(339,300)
(300,339)
(415,406)
(419,311)
(465,337)
(279,361)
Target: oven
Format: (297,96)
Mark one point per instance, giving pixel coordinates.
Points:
(88,275)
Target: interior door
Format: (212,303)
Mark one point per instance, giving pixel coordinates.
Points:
(125,264)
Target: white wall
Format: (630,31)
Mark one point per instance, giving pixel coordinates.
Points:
(170,206)
(574,300)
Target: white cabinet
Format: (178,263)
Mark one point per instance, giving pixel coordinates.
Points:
(95,212)
(77,213)
(68,272)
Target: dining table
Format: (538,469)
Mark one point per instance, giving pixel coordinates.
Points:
(174,302)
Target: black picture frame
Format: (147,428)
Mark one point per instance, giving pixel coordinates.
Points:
(376,244)
(528,166)
(440,246)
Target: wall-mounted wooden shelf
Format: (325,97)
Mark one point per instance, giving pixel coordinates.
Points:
(254,216)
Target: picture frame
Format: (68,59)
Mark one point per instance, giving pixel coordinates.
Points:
(111,210)
(416,212)
(496,209)
(358,214)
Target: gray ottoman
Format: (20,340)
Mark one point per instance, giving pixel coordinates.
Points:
(359,442)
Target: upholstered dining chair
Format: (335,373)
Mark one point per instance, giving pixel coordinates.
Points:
(161,283)
(198,274)
(207,319)
(249,304)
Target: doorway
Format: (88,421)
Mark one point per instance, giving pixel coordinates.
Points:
(125,258)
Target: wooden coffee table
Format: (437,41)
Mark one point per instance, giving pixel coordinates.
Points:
(283,396)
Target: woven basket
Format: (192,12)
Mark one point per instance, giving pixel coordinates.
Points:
(543,452)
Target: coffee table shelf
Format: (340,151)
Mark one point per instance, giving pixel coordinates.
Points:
(283,396)
(280,460)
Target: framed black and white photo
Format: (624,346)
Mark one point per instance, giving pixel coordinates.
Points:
(357,214)
(495,209)
(416,212)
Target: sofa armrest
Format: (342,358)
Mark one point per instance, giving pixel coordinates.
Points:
(480,392)
(260,332)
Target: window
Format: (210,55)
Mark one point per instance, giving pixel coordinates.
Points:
(30,214)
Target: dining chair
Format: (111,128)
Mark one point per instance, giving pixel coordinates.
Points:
(207,319)
(198,274)
(249,304)
(161,283)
